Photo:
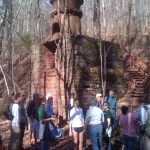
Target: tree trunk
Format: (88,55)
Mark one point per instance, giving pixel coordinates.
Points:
(128,21)
(9,37)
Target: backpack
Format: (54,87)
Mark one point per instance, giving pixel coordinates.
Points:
(147,125)
(55,133)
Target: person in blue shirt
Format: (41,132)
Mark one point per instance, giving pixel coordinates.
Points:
(112,102)
(49,106)
(142,116)
(94,123)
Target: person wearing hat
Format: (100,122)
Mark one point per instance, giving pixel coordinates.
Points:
(93,120)
(99,99)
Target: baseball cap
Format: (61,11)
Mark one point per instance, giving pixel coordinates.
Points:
(99,94)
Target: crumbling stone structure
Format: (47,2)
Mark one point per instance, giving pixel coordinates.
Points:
(66,16)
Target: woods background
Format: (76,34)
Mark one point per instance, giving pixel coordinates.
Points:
(24,24)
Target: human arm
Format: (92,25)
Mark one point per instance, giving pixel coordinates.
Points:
(87,118)
(70,129)
(82,117)
(108,118)
(116,106)
(44,121)
(102,117)
(70,123)
(120,121)
(109,122)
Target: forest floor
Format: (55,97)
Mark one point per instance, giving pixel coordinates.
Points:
(65,143)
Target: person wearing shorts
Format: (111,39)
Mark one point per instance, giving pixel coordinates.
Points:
(32,112)
(77,125)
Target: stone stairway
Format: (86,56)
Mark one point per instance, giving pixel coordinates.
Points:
(137,83)
(138,79)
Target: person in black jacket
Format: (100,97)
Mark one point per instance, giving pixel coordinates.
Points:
(32,112)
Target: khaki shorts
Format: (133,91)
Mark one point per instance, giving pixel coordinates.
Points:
(33,125)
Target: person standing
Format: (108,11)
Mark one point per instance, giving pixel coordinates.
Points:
(128,123)
(32,112)
(15,124)
(72,100)
(70,104)
(142,117)
(49,106)
(107,125)
(112,102)
(77,125)
(94,119)
(44,131)
(23,120)
(99,98)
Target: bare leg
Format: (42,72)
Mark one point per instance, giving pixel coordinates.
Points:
(35,139)
(75,137)
(81,141)
(30,137)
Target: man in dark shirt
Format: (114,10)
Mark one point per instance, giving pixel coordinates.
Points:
(32,112)
(107,125)
(23,120)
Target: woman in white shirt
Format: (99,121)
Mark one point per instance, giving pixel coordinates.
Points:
(77,125)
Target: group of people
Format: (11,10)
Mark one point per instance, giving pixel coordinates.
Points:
(37,116)
(100,123)
(99,120)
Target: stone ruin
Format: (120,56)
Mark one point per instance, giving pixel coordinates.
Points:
(66,21)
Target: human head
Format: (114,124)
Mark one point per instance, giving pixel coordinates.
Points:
(111,93)
(18,97)
(36,96)
(124,110)
(42,102)
(49,98)
(106,105)
(99,97)
(93,102)
(72,95)
(23,99)
(76,103)
(12,97)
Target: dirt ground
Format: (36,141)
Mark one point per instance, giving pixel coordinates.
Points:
(65,143)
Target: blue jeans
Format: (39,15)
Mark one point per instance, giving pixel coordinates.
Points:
(129,142)
(95,134)
(44,145)
(113,123)
(107,139)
